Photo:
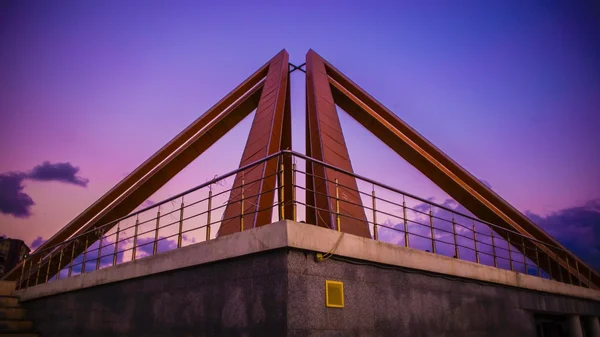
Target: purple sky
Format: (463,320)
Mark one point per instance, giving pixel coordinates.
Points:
(510,90)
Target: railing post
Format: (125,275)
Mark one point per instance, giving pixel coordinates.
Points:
(85,254)
(208,213)
(37,277)
(135,234)
(282,195)
(48,269)
(116,250)
(578,274)
(180,235)
(59,262)
(537,261)
(431,227)
(550,268)
(456,251)
(406,235)
(29,273)
(293,187)
(494,251)
(568,269)
(22,272)
(72,258)
(155,247)
(475,243)
(512,267)
(375,234)
(337,205)
(524,255)
(99,250)
(242,205)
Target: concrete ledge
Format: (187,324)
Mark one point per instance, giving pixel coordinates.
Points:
(311,238)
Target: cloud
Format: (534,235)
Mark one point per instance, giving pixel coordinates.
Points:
(146,245)
(36,243)
(13,201)
(62,172)
(577,228)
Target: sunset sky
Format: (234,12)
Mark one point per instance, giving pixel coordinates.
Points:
(508,89)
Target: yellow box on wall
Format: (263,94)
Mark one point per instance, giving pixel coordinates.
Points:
(334,294)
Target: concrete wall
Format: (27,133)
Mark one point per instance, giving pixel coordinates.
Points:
(393,302)
(239,297)
(266,282)
(282,292)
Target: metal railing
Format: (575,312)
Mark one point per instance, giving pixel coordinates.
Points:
(392,216)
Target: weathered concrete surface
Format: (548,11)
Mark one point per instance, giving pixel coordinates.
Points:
(207,300)
(387,301)
(255,283)
(306,237)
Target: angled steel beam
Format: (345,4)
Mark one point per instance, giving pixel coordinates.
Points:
(451,177)
(326,143)
(164,164)
(258,184)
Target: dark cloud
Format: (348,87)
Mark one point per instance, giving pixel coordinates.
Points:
(577,228)
(36,243)
(146,245)
(13,201)
(63,172)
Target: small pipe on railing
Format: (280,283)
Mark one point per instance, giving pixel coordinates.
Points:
(48,269)
(375,234)
(242,205)
(59,263)
(475,243)
(208,213)
(456,252)
(281,194)
(116,250)
(494,251)
(431,227)
(180,235)
(135,234)
(293,187)
(406,236)
(337,205)
(85,254)
(155,247)
(512,267)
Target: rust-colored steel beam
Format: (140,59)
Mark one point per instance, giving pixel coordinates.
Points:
(264,139)
(326,143)
(164,164)
(451,177)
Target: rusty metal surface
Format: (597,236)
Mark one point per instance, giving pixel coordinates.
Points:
(265,138)
(448,175)
(326,142)
(165,163)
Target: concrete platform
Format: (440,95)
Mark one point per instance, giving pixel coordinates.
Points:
(266,282)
